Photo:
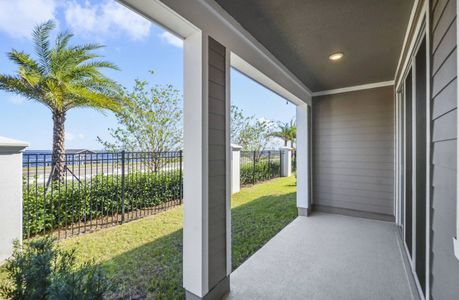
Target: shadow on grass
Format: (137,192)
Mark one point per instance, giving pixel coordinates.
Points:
(154,270)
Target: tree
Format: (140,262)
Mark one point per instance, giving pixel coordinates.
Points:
(238,123)
(286,132)
(151,122)
(256,136)
(250,133)
(62,77)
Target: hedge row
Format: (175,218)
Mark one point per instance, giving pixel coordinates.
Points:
(64,204)
(262,170)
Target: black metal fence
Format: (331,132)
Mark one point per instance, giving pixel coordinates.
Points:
(98,190)
(258,166)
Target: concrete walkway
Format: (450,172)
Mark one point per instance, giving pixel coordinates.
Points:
(326,256)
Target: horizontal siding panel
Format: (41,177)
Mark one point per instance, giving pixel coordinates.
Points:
(383,201)
(324,176)
(216,75)
(354,165)
(358,143)
(444,154)
(362,186)
(445,128)
(217,60)
(216,91)
(379,173)
(217,121)
(359,151)
(446,47)
(359,206)
(438,10)
(337,123)
(448,16)
(445,74)
(445,101)
(217,106)
(358,194)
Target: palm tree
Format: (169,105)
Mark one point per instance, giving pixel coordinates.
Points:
(286,132)
(62,77)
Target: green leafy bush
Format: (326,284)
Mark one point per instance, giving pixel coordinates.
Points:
(39,270)
(260,171)
(64,204)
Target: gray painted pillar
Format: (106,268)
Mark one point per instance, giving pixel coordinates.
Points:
(207,153)
(235,168)
(10,194)
(286,161)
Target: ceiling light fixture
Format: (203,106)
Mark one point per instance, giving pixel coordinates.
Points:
(336,56)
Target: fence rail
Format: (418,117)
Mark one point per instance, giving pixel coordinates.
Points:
(258,166)
(98,190)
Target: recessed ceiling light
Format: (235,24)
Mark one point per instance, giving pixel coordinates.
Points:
(336,56)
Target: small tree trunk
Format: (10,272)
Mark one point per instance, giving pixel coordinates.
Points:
(58,145)
(285,142)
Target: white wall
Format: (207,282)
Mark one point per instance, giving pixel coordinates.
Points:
(10,195)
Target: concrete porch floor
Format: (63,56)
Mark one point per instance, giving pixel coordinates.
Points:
(327,256)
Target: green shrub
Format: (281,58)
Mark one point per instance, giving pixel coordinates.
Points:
(40,270)
(64,204)
(262,170)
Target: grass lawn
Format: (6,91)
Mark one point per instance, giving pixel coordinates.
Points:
(143,258)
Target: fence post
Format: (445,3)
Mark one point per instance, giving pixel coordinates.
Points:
(269,165)
(10,195)
(286,161)
(235,168)
(123,159)
(254,168)
(181,175)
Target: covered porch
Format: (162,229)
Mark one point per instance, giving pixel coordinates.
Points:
(374,84)
(328,256)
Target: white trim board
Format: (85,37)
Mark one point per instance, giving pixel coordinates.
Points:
(407,33)
(354,88)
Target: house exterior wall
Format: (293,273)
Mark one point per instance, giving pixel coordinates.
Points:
(444,265)
(353,153)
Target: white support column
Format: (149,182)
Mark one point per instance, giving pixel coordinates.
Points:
(302,160)
(235,168)
(10,194)
(286,161)
(206,169)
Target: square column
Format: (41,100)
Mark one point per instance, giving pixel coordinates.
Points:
(10,195)
(207,150)
(235,168)
(286,161)
(302,160)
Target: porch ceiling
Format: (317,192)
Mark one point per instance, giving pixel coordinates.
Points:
(303,33)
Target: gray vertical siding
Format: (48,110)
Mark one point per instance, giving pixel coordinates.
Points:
(217,163)
(353,152)
(445,266)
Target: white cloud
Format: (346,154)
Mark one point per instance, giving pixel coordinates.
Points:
(16,99)
(81,136)
(171,39)
(69,136)
(19,17)
(108,18)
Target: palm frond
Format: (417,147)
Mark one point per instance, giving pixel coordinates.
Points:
(24,60)
(62,40)
(41,41)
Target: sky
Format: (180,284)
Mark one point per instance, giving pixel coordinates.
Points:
(133,43)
